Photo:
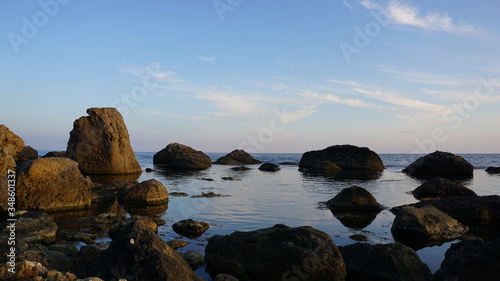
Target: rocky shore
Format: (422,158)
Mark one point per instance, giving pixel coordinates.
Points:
(118,235)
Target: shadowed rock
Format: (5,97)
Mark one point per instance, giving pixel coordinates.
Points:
(237,157)
(437,188)
(354,198)
(182,157)
(100,143)
(344,156)
(269,167)
(27,153)
(32,228)
(190,228)
(276,253)
(440,164)
(493,170)
(56,154)
(383,262)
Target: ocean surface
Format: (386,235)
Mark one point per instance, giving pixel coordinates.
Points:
(257,199)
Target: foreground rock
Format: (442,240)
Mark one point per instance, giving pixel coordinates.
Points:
(471,260)
(383,262)
(440,164)
(138,253)
(33,227)
(482,211)
(100,143)
(52,184)
(276,253)
(27,153)
(237,157)
(418,227)
(437,188)
(146,193)
(10,145)
(30,270)
(493,170)
(354,199)
(179,156)
(269,167)
(345,156)
(190,228)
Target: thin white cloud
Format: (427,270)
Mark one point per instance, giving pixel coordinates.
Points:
(344,82)
(154,71)
(403,14)
(296,115)
(232,104)
(427,78)
(335,99)
(207,59)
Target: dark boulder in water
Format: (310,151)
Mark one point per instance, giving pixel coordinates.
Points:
(383,262)
(237,157)
(345,156)
(275,253)
(354,198)
(190,228)
(493,170)
(181,157)
(437,188)
(146,193)
(269,167)
(440,164)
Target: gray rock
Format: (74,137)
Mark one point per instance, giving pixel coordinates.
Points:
(100,143)
(182,157)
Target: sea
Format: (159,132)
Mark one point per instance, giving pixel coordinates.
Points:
(255,199)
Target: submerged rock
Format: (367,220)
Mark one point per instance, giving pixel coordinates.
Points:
(182,157)
(100,143)
(190,228)
(237,157)
(276,253)
(417,227)
(440,164)
(269,167)
(52,184)
(345,156)
(441,188)
(240,168)
(194,259)
(383,262)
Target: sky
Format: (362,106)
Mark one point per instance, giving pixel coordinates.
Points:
(261,75)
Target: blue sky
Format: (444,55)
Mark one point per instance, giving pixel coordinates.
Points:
(265,76)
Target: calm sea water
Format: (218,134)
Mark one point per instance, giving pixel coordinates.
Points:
(259,199)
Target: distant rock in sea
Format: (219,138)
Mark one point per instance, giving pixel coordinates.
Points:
(100,143)
(440,164)
(182,157)
(237,157)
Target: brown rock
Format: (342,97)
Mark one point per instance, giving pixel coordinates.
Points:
(179,156)
(190,228)
(27,153)
(10,145)
(100,143)
(150,192)
(237,157)
(52,184)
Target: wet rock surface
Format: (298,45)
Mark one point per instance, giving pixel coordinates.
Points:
(181,157)
(272,254)
(190,227)
(440,164)
(237,157)
(100,143)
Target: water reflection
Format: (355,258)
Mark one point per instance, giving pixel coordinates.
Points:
(107,179)
(146,210)
(346,174)
(355,219)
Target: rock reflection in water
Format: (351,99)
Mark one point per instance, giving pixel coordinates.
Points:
(355,219)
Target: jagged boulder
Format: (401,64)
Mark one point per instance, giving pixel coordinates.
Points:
(440,164)
(276,253)
(100,143)
(345,156)
(237,157)
(437,188)
(27,153)
(51,184)
(182,157)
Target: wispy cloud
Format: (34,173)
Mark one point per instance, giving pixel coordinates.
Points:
(403,14)
(174,115)
(231,104)
(154,71)
(427,78)
(344,82)
(296,115)
(207,59)
(335,99)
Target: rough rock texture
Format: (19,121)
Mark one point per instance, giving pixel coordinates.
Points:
(190,228)
(32,228)
(493,170)
(344,156)
(437,188)
(51,184)
(27,153)
(468,210)
(100,143)
(194,259)
(269,167)
(28,270)
(50,259)
(10,145)
(471,260)
(179,156)
(237,157)
(276,253)
(150,192)
(440,164)
(383,262)
(354,198)
(138,253)
(416,227)
(56,154)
